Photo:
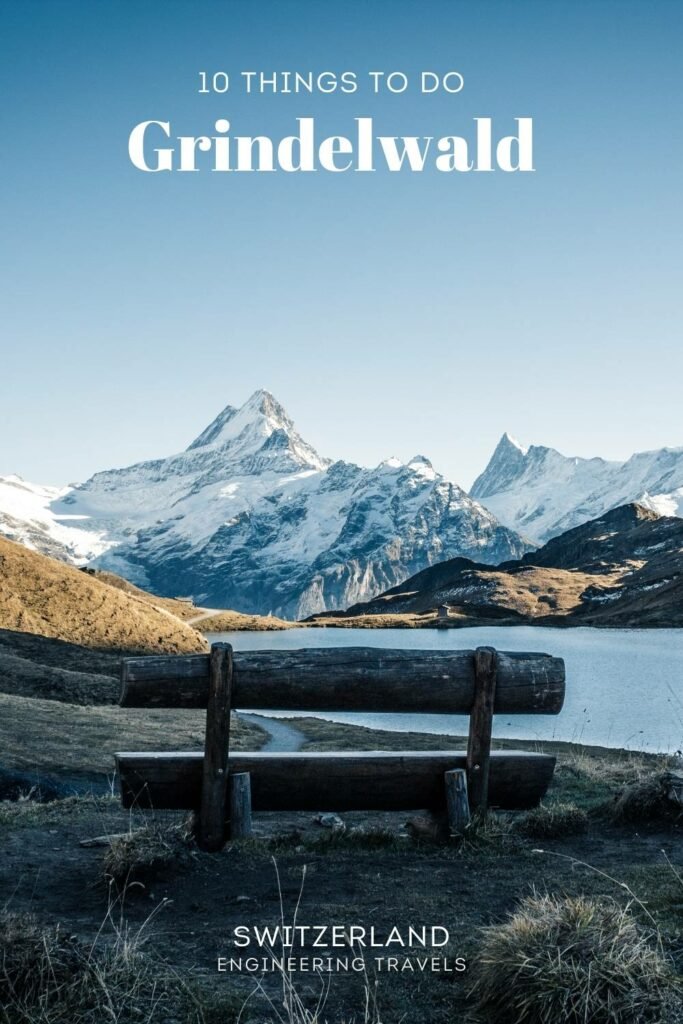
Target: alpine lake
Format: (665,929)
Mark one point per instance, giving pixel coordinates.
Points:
(624,686)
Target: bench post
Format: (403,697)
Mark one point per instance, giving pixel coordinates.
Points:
(457,804)
(212,816)
(481,724)
(240,805)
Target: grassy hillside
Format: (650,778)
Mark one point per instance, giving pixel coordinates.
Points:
(181,609)
(42,596)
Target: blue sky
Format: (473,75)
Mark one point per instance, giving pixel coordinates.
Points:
(391,314)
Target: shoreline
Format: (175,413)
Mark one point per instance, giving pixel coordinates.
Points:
(259,624)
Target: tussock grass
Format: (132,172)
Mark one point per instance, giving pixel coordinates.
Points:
(647,799)
(142,852)
(492,832)
(574,960)
(48,977)
(553,820)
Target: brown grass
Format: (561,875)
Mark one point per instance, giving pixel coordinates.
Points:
(40,595)
(228,621)
(48,977)
(142,852)
(647,799)
(574,960)
(398,620)
(181,609)
(553,820)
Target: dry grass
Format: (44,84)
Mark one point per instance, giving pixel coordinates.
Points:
(647,799)
(181,609)
(27,812)
(40,595)
(594,777)
(492,832)
(379,620)
(299,1004)
(228,621)
(142,852)
(553,820)
(48,977)
(574,960)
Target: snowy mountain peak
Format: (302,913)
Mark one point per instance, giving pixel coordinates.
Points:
(508,440)
(506,464)
(261,426)
(261,412)
(542,493)
(421,466)
(213,432)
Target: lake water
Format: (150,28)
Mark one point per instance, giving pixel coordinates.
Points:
(624,687)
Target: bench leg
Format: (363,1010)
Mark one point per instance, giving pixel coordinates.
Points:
(240,805)
(211,831)
(457,804)
(481,721)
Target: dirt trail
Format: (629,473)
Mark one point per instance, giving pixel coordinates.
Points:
(206,613)
(283,736)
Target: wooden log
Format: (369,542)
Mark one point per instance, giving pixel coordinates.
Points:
(212,814)
(457,803)
(372,781)
(240,805)
(349,679)
(481,727)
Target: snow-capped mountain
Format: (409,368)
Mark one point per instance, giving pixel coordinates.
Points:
(540,493)
(26,517)
(251,517)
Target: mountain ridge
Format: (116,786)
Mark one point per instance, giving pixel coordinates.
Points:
(541,493)
(624,568)
(250,516)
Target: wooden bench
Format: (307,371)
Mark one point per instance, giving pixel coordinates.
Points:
(366,679)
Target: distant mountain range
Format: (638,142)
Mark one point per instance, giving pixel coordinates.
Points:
(540,493)
(251,517)
(623,569)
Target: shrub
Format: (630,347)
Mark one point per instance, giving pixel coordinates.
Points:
(141,853)
(574,960)
(550,821)
(648,799)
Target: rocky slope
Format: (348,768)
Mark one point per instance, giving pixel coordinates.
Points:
(623,569)
(251,517)
(541,493)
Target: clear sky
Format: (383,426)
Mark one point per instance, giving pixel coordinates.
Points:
(390,313)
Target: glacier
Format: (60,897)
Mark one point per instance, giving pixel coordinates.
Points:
(26,517)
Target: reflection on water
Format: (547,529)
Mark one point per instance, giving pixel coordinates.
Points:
(624,687)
